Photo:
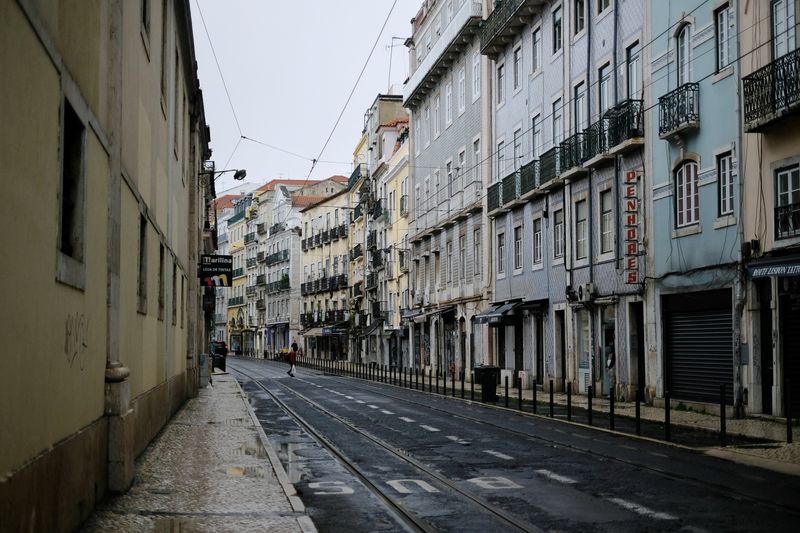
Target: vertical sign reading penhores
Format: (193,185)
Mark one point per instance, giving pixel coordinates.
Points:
(632,242)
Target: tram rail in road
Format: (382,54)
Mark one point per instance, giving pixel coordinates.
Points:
(504,520)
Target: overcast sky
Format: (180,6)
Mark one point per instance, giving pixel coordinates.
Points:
(289,67)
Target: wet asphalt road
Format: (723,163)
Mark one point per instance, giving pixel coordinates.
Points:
(545,475)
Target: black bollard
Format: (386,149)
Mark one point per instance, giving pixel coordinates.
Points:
(666,416)
(423,380)
(430,379)
(589,405)
(437,380)
(519,395)
(722,414)
(788,400)
(416,379)
(472,386)
(534,396)
(611,408)
(453,384)
(506,391)
(569,401)
(551,398)
(462,384)
(638,411)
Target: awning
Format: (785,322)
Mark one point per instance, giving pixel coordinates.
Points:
(312,332)
(765,269)
(494,315)
(535,306)
(442,310)
(372,327)
(410,314)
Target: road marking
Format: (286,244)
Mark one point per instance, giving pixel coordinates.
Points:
(633,448)
(659,455)
(406,419)
(642,510)
(429,428)
(498,454)
(359,401)
(331,487)
(556,477)
(458,440)
(372,406)
(398,485)
(384,411)
(349,397)
(580,436)
(493,483)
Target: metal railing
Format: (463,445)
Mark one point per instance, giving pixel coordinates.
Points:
(511,187)
(626,122)
(377,259)
(787,221)
(238,272)
(493,196)
(356,252)
(503,13)
(250,237)
(261,279)
(772,89)
(354,177)
(261,257)
(261,228)
(549,165)
(529,177)
(277,257)
(236,300)
(404,205)
(595,138)
(679,109)
(377,209)
(277,228)
(372,239)
(251,262)
(572,151)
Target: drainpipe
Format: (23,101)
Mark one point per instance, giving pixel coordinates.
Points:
(487,128)
(740,287)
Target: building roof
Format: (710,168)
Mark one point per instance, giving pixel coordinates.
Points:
(270,185)
(393,123)
(324,199)
(303,201)
(225,201)
(339,179)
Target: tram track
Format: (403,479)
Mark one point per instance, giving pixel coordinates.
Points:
(407,516)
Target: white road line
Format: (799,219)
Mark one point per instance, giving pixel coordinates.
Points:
(384,411)
(458,440)
(642,510)
(498,454)
(659,455)
(429,428)
(372,406)
(580,436)
(556,477)
(406,419)
(359,401)
(628,447)
(349,397)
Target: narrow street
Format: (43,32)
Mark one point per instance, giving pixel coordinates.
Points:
(364,455)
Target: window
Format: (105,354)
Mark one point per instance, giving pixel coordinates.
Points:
(632,63)
(476,160)
(417,137)
(606,222)
(164,52)
(450,266)
(602,5)
(517,67)
(604,88)
(437,192)
(436,117)
(517,148)
(783,27)
(462,90)
(687,209)
(517,247)
(501,251)
(477,255)
(580,15)
(174,293)
(536,51)
(448,103)
(537,241)
(724,25)
(448,168)
(462,162)
(536,136)
(427,125)
(581,230)
(558,233)
(146,16)
(462,257)
(501,67)
(141,282)
(581,120)
(683,47)
(787,209)
(476,75)
(161,281)
(73,186)
(556,30)
(501,162)
(725,183)
(558,122)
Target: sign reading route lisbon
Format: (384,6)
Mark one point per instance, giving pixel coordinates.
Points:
(215,270)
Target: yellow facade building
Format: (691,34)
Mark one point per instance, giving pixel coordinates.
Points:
(104,138)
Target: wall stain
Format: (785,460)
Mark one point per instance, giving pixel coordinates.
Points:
(76,328)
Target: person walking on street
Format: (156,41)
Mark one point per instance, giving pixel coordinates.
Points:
(292,360)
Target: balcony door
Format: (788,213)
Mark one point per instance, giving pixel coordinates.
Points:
(683,44)
(783,28)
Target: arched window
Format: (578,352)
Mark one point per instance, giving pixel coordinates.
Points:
(683,47)
(687,206)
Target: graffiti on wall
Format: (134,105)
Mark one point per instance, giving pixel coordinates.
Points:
(76,328)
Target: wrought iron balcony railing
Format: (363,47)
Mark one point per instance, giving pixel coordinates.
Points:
(261,279)
(354,177)
(261,257)
(679,110)
(261,304)
(507,15)
(250,237)
(357,212)
(277,228)
(356,252)
(549,165)
(493,197)
(250,290)
(511,187)
(595,138)
(236,300)
(326,236)
(626,123)
(261,229)
(377,259)
(572,152)
(372,239)
(372,280)
(277,257)
(357,290)
(404,205)
(343,231)
(238,272)
(787,221)
(772,91)
(529,177)
(377,209)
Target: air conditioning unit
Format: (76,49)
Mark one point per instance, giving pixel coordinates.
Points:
(585,292)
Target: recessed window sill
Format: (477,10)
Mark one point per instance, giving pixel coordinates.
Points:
(722,74)
(725,221)
(70,271)
(686,231)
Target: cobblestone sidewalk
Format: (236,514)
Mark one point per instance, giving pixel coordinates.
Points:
(209,470)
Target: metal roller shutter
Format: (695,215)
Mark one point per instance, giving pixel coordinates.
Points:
(700,354)
(790,338)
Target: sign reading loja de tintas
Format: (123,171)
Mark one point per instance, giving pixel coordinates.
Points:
(215,270)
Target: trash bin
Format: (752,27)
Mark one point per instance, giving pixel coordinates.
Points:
(488,376)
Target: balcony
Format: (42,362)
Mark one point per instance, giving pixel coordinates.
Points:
(261,279)
(679,111)
(277,228)
(220,318)
(304,244)
(356,213)
(326,237)
(261,257)
(261,229)
(377,209)
(595,139)
(493,197)
(787,221)
(772,92)
(549,166)
(343,231)
(372,281)
(251,262)
(356,252)
(571,155)
(504,24)
(354,177)
(626,128)
(236,300)
(404,205)
(357,290)
(372,239)
(250,290)
(238,272)
(261,304)
(454,39)
(403,260)
(335,233)
(318,239)
(529,178)
(250,237)
(277,257)
(511,188)
(377,259)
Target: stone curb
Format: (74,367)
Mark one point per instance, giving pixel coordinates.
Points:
(304,521)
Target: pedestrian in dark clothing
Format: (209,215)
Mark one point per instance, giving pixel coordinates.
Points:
(292,361)
(294,345)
